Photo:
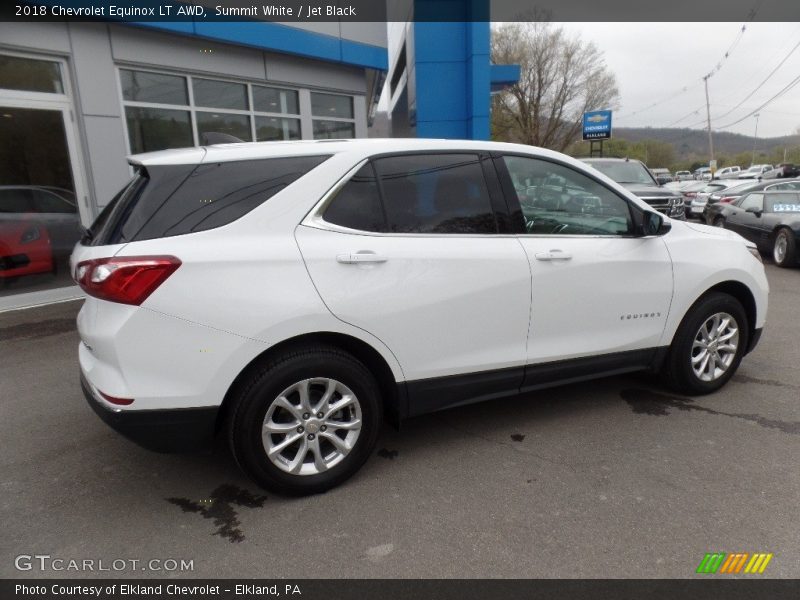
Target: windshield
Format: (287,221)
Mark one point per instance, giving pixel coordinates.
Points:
(624,171)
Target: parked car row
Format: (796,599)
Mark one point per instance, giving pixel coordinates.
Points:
(769,217)
(783,170)
(732,194)
(755,171)
(636,177)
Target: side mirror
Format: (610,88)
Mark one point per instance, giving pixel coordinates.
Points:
(755,210)
(654,224)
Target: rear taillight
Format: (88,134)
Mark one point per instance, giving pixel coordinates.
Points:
(127,280)
(727,199)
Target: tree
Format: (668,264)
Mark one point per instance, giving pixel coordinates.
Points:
(561,77)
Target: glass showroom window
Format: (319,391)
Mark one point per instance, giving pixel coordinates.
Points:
(332,116)
(269,105)
(172,111)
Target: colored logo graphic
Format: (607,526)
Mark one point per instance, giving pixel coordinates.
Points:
(597,125)
(735,562)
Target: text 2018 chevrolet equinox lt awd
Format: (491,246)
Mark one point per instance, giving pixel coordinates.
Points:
(288,295)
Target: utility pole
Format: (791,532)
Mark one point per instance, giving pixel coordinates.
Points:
(708,116)
(755,140)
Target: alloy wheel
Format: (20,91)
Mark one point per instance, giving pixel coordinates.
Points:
(311,426)
(715,346)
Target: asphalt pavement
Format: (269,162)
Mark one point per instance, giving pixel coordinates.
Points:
(611,478)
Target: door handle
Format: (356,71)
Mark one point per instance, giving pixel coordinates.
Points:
(554,254)
(354,258)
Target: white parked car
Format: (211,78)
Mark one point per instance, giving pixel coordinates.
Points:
(700,199)
(755,171)
(288,295)
(727,172)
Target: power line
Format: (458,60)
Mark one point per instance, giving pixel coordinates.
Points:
(788,87)
(686,116)
(758,87)
(654,104)
(751,15)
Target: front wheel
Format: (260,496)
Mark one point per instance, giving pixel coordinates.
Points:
(719,222)
(708,346)
(785,249)
(306,421)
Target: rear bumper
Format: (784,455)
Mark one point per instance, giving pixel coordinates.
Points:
(170,430)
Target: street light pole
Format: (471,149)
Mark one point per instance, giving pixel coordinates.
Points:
(755,140)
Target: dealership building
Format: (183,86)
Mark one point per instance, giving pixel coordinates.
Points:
(77,97)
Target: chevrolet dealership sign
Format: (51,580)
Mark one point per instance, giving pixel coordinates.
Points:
(597,125)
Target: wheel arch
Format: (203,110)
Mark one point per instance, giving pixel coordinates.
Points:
(392,393)
(744,295)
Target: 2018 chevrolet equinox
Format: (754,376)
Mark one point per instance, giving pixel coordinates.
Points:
(289,294)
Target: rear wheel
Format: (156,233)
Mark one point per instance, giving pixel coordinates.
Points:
(719,222)
(306,421)
(708,346)
(784,252)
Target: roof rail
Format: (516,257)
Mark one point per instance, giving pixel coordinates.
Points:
(218,137)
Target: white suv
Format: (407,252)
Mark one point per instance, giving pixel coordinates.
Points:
(289,294)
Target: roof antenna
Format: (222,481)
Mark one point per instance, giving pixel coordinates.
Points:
(217,137)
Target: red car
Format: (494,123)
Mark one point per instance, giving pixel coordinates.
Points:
(25,249)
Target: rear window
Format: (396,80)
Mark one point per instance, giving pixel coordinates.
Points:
(783,202)
(164,201)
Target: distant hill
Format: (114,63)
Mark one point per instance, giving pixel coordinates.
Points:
(690,143)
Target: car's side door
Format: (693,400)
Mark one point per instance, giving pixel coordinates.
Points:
(745,217)
(411,248)
(600,293)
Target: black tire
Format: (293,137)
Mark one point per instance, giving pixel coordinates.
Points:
(261,390)
(789,257)
(677,370)
(719,222)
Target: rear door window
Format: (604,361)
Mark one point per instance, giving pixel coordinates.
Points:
(435,193)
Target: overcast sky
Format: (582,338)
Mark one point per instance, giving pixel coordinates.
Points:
(655,61)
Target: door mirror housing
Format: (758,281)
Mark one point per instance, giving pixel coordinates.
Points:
(653,224)
(755,210)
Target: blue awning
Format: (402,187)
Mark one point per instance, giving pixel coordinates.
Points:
(503,76)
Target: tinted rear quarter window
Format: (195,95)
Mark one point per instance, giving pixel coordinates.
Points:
(165,201)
